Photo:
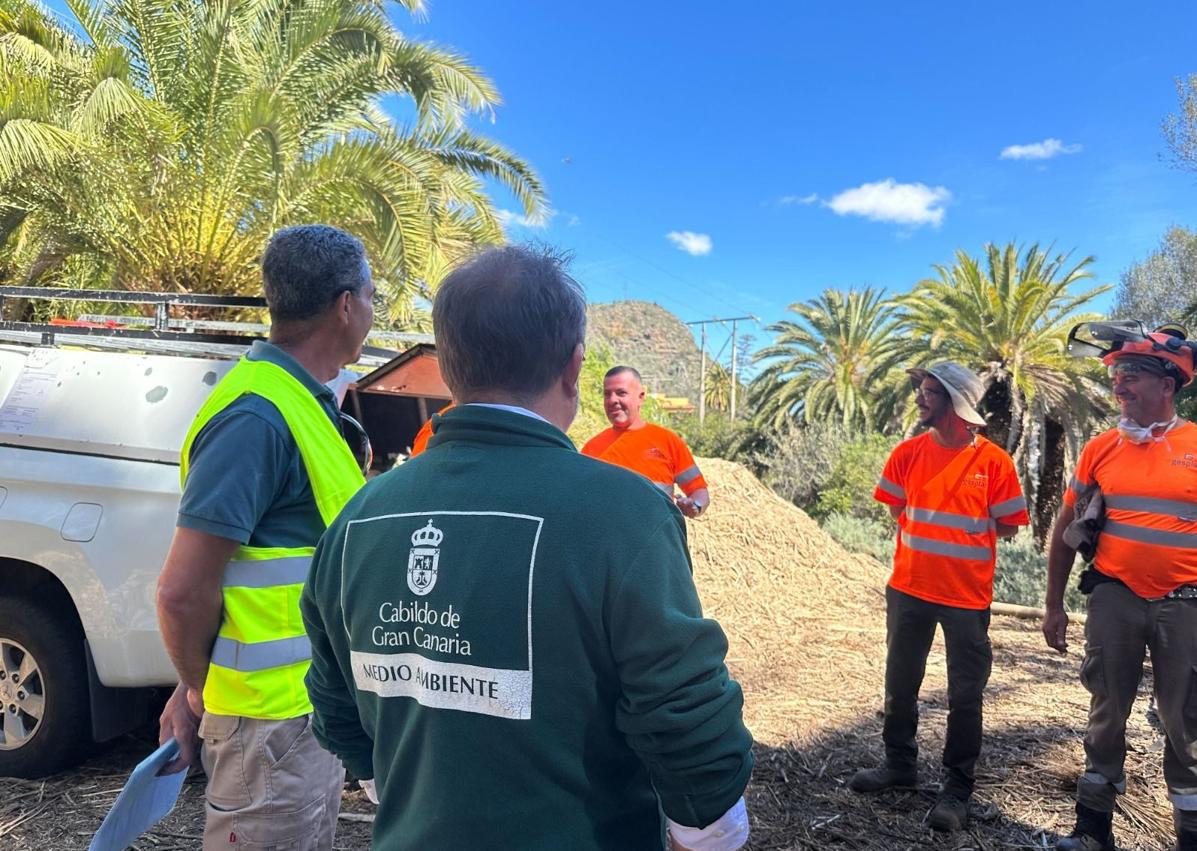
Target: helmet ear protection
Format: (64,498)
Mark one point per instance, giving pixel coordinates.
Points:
(1109,340)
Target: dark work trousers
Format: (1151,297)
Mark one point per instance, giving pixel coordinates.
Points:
(1120,625)
(910,628)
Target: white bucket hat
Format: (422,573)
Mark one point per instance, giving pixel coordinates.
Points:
(962,385)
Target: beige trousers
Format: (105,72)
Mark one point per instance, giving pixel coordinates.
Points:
(271,787)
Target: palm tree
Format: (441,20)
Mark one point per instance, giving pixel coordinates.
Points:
(838,362)
(718,387)
(159,147)
(1008,318)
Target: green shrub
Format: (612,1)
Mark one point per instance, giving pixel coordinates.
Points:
(800,459)
(717,437)
(862,535)
(1021,575)
(853,478)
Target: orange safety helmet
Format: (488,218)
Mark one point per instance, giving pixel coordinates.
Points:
(1166,343)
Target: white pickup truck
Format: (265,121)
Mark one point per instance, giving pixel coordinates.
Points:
(89,490)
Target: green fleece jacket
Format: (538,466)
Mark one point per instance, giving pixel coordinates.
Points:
(506,636)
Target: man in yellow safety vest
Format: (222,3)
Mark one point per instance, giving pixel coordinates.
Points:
(264,470)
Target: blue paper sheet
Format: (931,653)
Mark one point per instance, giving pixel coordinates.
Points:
(145,800)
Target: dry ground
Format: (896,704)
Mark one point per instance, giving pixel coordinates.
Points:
(805,622)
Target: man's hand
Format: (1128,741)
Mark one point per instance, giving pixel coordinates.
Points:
(694,504)
(180,718)
(689,507)
(1055,629)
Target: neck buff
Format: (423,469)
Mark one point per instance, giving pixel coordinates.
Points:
(1132,432)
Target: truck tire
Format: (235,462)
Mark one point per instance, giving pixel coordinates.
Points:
(43,690)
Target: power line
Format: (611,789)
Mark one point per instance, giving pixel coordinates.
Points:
(694,286)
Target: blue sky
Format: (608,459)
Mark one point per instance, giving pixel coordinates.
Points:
(790,148)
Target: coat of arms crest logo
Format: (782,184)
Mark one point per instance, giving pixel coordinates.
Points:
(423,559)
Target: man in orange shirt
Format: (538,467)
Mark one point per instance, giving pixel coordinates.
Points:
(1142,586)
(953,494)
(650,450)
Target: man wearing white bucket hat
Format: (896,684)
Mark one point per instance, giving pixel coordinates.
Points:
(953,493)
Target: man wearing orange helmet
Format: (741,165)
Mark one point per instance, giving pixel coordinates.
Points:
(1142,585)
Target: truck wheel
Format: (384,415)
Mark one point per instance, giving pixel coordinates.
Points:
(43,690)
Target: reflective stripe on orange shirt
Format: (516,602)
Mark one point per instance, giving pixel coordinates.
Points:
(1167,507)
(932,546)
(948,520)
(892,489)
(1010,506)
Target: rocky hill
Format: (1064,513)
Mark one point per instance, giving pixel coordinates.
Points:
(653,340)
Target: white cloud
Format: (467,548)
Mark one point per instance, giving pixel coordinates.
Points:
(787,200)
(509,219)
(696,244)
(1044,150)
(890,201)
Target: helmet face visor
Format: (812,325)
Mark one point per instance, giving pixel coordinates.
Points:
(1098,339)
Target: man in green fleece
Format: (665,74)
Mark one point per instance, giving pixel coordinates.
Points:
(505,634)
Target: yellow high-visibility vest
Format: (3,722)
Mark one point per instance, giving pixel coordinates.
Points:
(261,653)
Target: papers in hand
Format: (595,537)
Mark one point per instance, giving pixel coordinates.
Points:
(145,800)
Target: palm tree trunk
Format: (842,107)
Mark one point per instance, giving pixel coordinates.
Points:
(1051,480)
(996,405)
(1017,410)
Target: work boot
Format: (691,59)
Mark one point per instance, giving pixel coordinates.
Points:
(879,779)
(949,813)
(1093,832)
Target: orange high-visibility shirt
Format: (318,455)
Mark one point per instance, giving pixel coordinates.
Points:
(653,451)
(1149,540)
(420,443)
(947,534)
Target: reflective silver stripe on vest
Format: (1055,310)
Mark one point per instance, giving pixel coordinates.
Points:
(267,572)
(975,525)
(1010,506)
(944,548)
(688,475)
(1077,485)
(1143,535)
(892,489)
(261,655)
(1165,507)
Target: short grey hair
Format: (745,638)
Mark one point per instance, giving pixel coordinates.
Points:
(507,319)
(305,268)
(620,370)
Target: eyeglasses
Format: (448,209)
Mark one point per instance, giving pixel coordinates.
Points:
(359,442)
(1123,370)
(927,393)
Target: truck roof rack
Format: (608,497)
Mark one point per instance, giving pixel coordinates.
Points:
(159,333)
(161,329)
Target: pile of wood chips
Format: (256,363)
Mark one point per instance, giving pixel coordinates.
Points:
(805,621)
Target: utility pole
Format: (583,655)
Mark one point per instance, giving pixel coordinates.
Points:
(702,380)
(732,391)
